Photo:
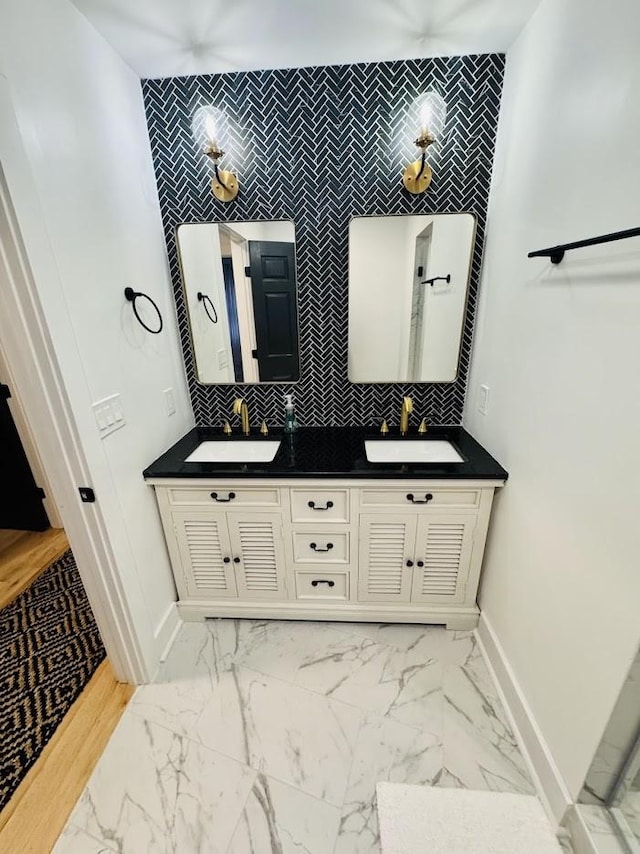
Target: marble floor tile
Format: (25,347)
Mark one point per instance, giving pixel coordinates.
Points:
(75,840)
(296,736)
(270,736)
(279,647)
(480,750)
(155,791)
(401,683)
(278,819)
(385,750)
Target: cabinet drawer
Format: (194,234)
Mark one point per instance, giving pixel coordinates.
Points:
(325,547)
(226,497)
(322,585)
(320,505)
(423,498)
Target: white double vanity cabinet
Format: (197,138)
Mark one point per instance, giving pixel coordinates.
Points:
(400,547)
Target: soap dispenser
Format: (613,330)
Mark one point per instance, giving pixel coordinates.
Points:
(290,423)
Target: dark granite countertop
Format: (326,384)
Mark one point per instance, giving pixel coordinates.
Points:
(329,452)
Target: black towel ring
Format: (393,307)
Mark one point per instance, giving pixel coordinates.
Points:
(132,296)
(204,299)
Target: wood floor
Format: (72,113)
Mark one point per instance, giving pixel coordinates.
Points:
(36,814)
(34,817)
(24,555)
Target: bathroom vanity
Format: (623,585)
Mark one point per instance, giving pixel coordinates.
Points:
(320,532)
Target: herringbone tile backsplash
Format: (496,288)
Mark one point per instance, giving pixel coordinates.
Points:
(319,146)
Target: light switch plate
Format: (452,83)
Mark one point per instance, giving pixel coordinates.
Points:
(169,401)
(483,400)
(109,414)
(223,359)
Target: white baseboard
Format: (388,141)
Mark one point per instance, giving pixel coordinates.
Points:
(546,776)
(166,632)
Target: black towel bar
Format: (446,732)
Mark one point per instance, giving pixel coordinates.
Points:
(556,253)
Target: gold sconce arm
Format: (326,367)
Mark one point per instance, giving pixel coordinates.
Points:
(417,176)
(224,184)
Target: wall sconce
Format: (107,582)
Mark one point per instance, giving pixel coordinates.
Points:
(432,110)
(224,184)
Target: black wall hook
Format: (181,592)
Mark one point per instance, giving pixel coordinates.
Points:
(435,279)
(132,296)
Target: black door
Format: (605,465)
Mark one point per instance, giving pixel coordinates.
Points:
(21,501)
(273,288)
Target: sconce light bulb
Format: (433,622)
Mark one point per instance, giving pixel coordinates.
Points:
(210,128)
(426,114)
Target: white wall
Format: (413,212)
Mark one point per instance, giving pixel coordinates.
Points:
(80,175)
(450,253)
(377,298)
(560,349)
(201,260)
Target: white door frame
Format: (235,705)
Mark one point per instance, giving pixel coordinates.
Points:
(31,360)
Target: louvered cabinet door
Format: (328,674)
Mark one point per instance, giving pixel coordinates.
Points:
(387,542)
(256,540)
(205,553)
(443,547)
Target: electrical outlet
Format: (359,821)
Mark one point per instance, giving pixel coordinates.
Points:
(109,414)
(483,400)
(169,402)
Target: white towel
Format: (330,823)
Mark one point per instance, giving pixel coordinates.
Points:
(429,820)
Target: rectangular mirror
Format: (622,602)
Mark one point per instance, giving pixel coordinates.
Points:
(408,283)
(240,291)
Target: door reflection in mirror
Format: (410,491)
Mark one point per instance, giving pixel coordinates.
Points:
(243,274)
(408,284)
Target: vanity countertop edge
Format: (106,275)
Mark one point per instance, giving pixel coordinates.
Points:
(328,453)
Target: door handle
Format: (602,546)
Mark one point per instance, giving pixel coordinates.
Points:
(427,498)
(231,496)
(314,546)
(420,563)
(326,581)
(226,560)
(328,505)
(409,563)
(236,560)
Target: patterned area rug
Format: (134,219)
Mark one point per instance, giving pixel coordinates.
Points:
(49,648)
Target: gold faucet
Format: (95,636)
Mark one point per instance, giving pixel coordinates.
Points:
(407,408)
(240,408)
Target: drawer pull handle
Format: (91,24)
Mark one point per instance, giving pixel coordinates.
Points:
(226,560)
(236,560)
(427,498)
(314,546)
(328,505)
(230,497)
(409,563)
(326,581)
(421,563)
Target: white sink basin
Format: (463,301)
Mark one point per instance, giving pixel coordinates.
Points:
(259,451)
(411,451)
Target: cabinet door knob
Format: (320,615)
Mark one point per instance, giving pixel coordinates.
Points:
(315,548)
(326,581)
(226,560)
(236,560)
(420,563)
(409,563)
(230,497)
(427,498)
(327,506)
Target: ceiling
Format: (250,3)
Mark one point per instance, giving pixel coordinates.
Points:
(165,38)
